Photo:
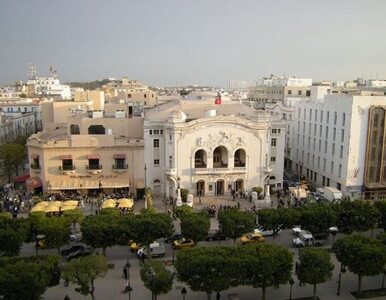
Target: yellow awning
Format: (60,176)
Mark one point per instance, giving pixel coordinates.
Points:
(52,208)
(108,204)
(68,207)
(38,208)
(125,203)
(42,204)
(56,203)
(70,203)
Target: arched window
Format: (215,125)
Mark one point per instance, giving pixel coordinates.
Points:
(240,158)
(220,157)
(200,159)
(96,129)
(74,129)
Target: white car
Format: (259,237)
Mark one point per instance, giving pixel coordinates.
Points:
(296,230)
(265,232)
(305,238)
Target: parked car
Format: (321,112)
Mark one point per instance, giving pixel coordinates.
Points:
(265,232)
(296,230)
(79,253)
(72,248)
(155,249)
(251,238)
(215,235)
(183,244)
(134,247)
(174,237)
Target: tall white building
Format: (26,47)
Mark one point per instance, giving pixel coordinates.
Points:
(211,149)
(327,138)
(49,86)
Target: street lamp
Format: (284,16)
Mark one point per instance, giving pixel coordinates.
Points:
(183,293)
(291,282)
(179,200)
(145,176)
(342,270)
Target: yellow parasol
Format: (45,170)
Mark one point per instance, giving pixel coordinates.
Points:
(68,207)
(38,208)
(52,208)
(42,204)
(70,203)
(109,204)
(125,203)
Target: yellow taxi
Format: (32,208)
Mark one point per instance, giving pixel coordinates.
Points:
(183,244)
(251,238)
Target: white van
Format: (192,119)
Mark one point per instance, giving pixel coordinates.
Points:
(156,250)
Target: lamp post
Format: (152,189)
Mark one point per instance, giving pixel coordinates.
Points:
(183,293)
(342,270)
(291,282)
(179,200)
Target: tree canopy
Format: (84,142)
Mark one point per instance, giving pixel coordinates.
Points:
(314,266)
(234,223)
(195,226)
(156,277)
(12,156)
(83,271)
(363,256)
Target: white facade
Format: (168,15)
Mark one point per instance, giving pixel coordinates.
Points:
(16,125)
(212,149)
(327,137)
(50,86)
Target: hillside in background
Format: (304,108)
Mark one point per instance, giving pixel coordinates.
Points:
(91,85)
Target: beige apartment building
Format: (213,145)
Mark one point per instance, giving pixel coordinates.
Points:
(93,150)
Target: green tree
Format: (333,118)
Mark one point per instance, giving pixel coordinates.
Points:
(24,278)
(271,219)
(13,156)
(314,266)
(195,226)
(83,271)
(184,195)
(363,256)
(101,231)
(180,211)
(381,206)
(209,269)
(148,227)
(265,265)
(11,241)
(74,216)
(234,223)
(357,215)
(156,277)
(56,232)
(317,218)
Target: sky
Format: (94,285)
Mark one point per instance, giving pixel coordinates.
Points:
(205,42)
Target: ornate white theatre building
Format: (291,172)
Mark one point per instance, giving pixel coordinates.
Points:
(211,149)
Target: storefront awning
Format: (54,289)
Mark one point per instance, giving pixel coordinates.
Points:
(120,155)
(140,183)
(33,183)
(93,156)
(87,184)
(68,156)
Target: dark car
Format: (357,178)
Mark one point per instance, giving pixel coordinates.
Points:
(174,237)
(215,235)
(79,253)
(72,248)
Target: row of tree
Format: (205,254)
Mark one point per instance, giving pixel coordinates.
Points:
(348,216)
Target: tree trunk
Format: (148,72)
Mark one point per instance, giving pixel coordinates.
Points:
(315,291)
(208,295)
(359,284)
(263,292)
(104,251)
(92,290)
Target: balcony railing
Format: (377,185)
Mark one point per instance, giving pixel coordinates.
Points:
(120,167)
(235,170)
(94,167)
(67,168)
(199,165)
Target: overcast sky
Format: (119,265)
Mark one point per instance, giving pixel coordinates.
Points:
(164,42)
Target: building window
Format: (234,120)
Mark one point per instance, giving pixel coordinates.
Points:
(342,135)
(93,164)
(340,170)
(325,147)
(321,116)
(161,132)
(150,131)
(289,92)
(156,143)
(320,145)
(332,167)
(320,130)
(333,149)
(300,93)
(170,162)
(156,162)
(273,142)
(318,161)
(316,115)
(273,159)
(326,132)
(308,93)
(156,131)
(328,117)
(324,165)
(170,137)
(314,129)
(310,114)
(341,152)
(96,129)
(67,165)
(335,117)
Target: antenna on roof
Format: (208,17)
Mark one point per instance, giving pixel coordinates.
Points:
(53,72)
(32,71)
